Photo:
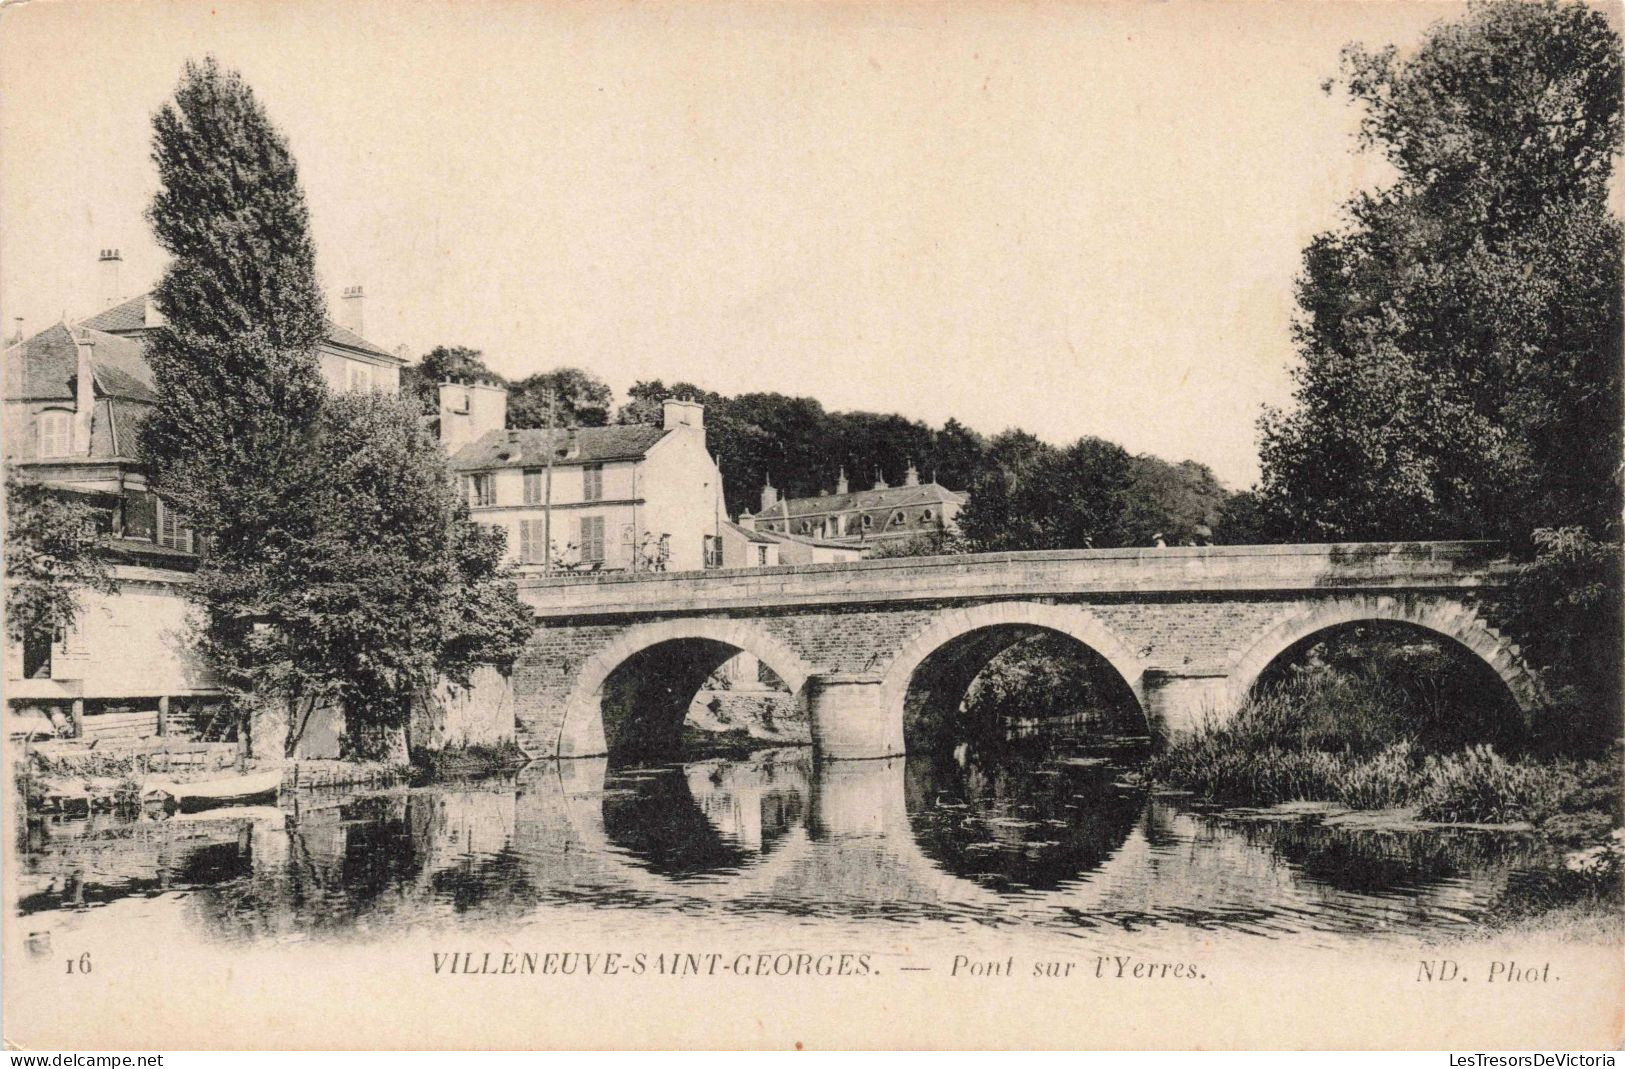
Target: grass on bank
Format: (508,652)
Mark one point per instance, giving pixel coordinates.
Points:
(1351,739)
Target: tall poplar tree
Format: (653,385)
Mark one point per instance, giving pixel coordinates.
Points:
(339,569)
(235,363)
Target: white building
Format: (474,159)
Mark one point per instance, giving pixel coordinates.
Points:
(638,498)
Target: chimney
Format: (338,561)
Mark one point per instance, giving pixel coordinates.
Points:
(84,392)
(150,316)
(880,481)
(351,311)
(911,477)
(18,336)
(747,521)
(770,496)
(109,262)
(840,482)
(469,411)
(675,414)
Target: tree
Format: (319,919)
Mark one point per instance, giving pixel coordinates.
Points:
(644,401)
(341,567)
(1181,502)
(1460,337)
(958,455)
(388,588)
(52,557)
(235,363)
(1041,497)
(445,363)
(580,399)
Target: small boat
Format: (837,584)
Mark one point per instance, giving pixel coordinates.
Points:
(207,794)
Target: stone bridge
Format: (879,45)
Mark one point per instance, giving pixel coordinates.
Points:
(617,658)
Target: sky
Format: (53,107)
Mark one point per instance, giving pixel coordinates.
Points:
(1076,218)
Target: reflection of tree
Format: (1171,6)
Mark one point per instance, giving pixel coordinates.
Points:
(1022,822)
(340,862)
(104,859)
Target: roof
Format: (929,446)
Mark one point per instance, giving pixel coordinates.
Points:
(821,543)
(893,497)
(529,448)
(43,368)
(130,317)
(747,534)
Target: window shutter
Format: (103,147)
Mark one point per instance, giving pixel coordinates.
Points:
(524,542)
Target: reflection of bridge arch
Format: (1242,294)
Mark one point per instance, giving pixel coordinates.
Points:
(856,849)
(581,733)
(1452,620)
(1074,621)
(563,817)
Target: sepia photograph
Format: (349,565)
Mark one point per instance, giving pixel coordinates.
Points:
(876,524)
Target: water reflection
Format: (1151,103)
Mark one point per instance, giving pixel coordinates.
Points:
(707,818)
(1045,841)
(1027,822)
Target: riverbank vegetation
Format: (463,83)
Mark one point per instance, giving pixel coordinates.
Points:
(468,759)
(1460,377)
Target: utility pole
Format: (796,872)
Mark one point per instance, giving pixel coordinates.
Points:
(547,494)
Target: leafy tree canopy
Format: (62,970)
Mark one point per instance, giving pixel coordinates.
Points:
(580,399)
(1460,336)
(383,589)
(52,557)
(445,363)
(235,363)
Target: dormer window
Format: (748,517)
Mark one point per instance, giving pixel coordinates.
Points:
(55,433)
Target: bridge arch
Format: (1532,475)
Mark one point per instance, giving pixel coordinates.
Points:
(581,732)
(1449,618)
(1073,621)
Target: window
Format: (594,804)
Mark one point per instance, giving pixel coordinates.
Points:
(532,539)
(592,538)
(868,520)
(592,482)
(359,377)
(713,551)
(535,486)
(926,515)
(897,518)
(172,532)
(481,489)
(55,433)
(761,556)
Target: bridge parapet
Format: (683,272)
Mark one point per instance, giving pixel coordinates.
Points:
(1184,570)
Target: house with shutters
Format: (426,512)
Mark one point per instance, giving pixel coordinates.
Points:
(627,498)
(76,393)
(75,396)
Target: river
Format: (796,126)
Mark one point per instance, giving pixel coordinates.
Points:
(1055,846)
